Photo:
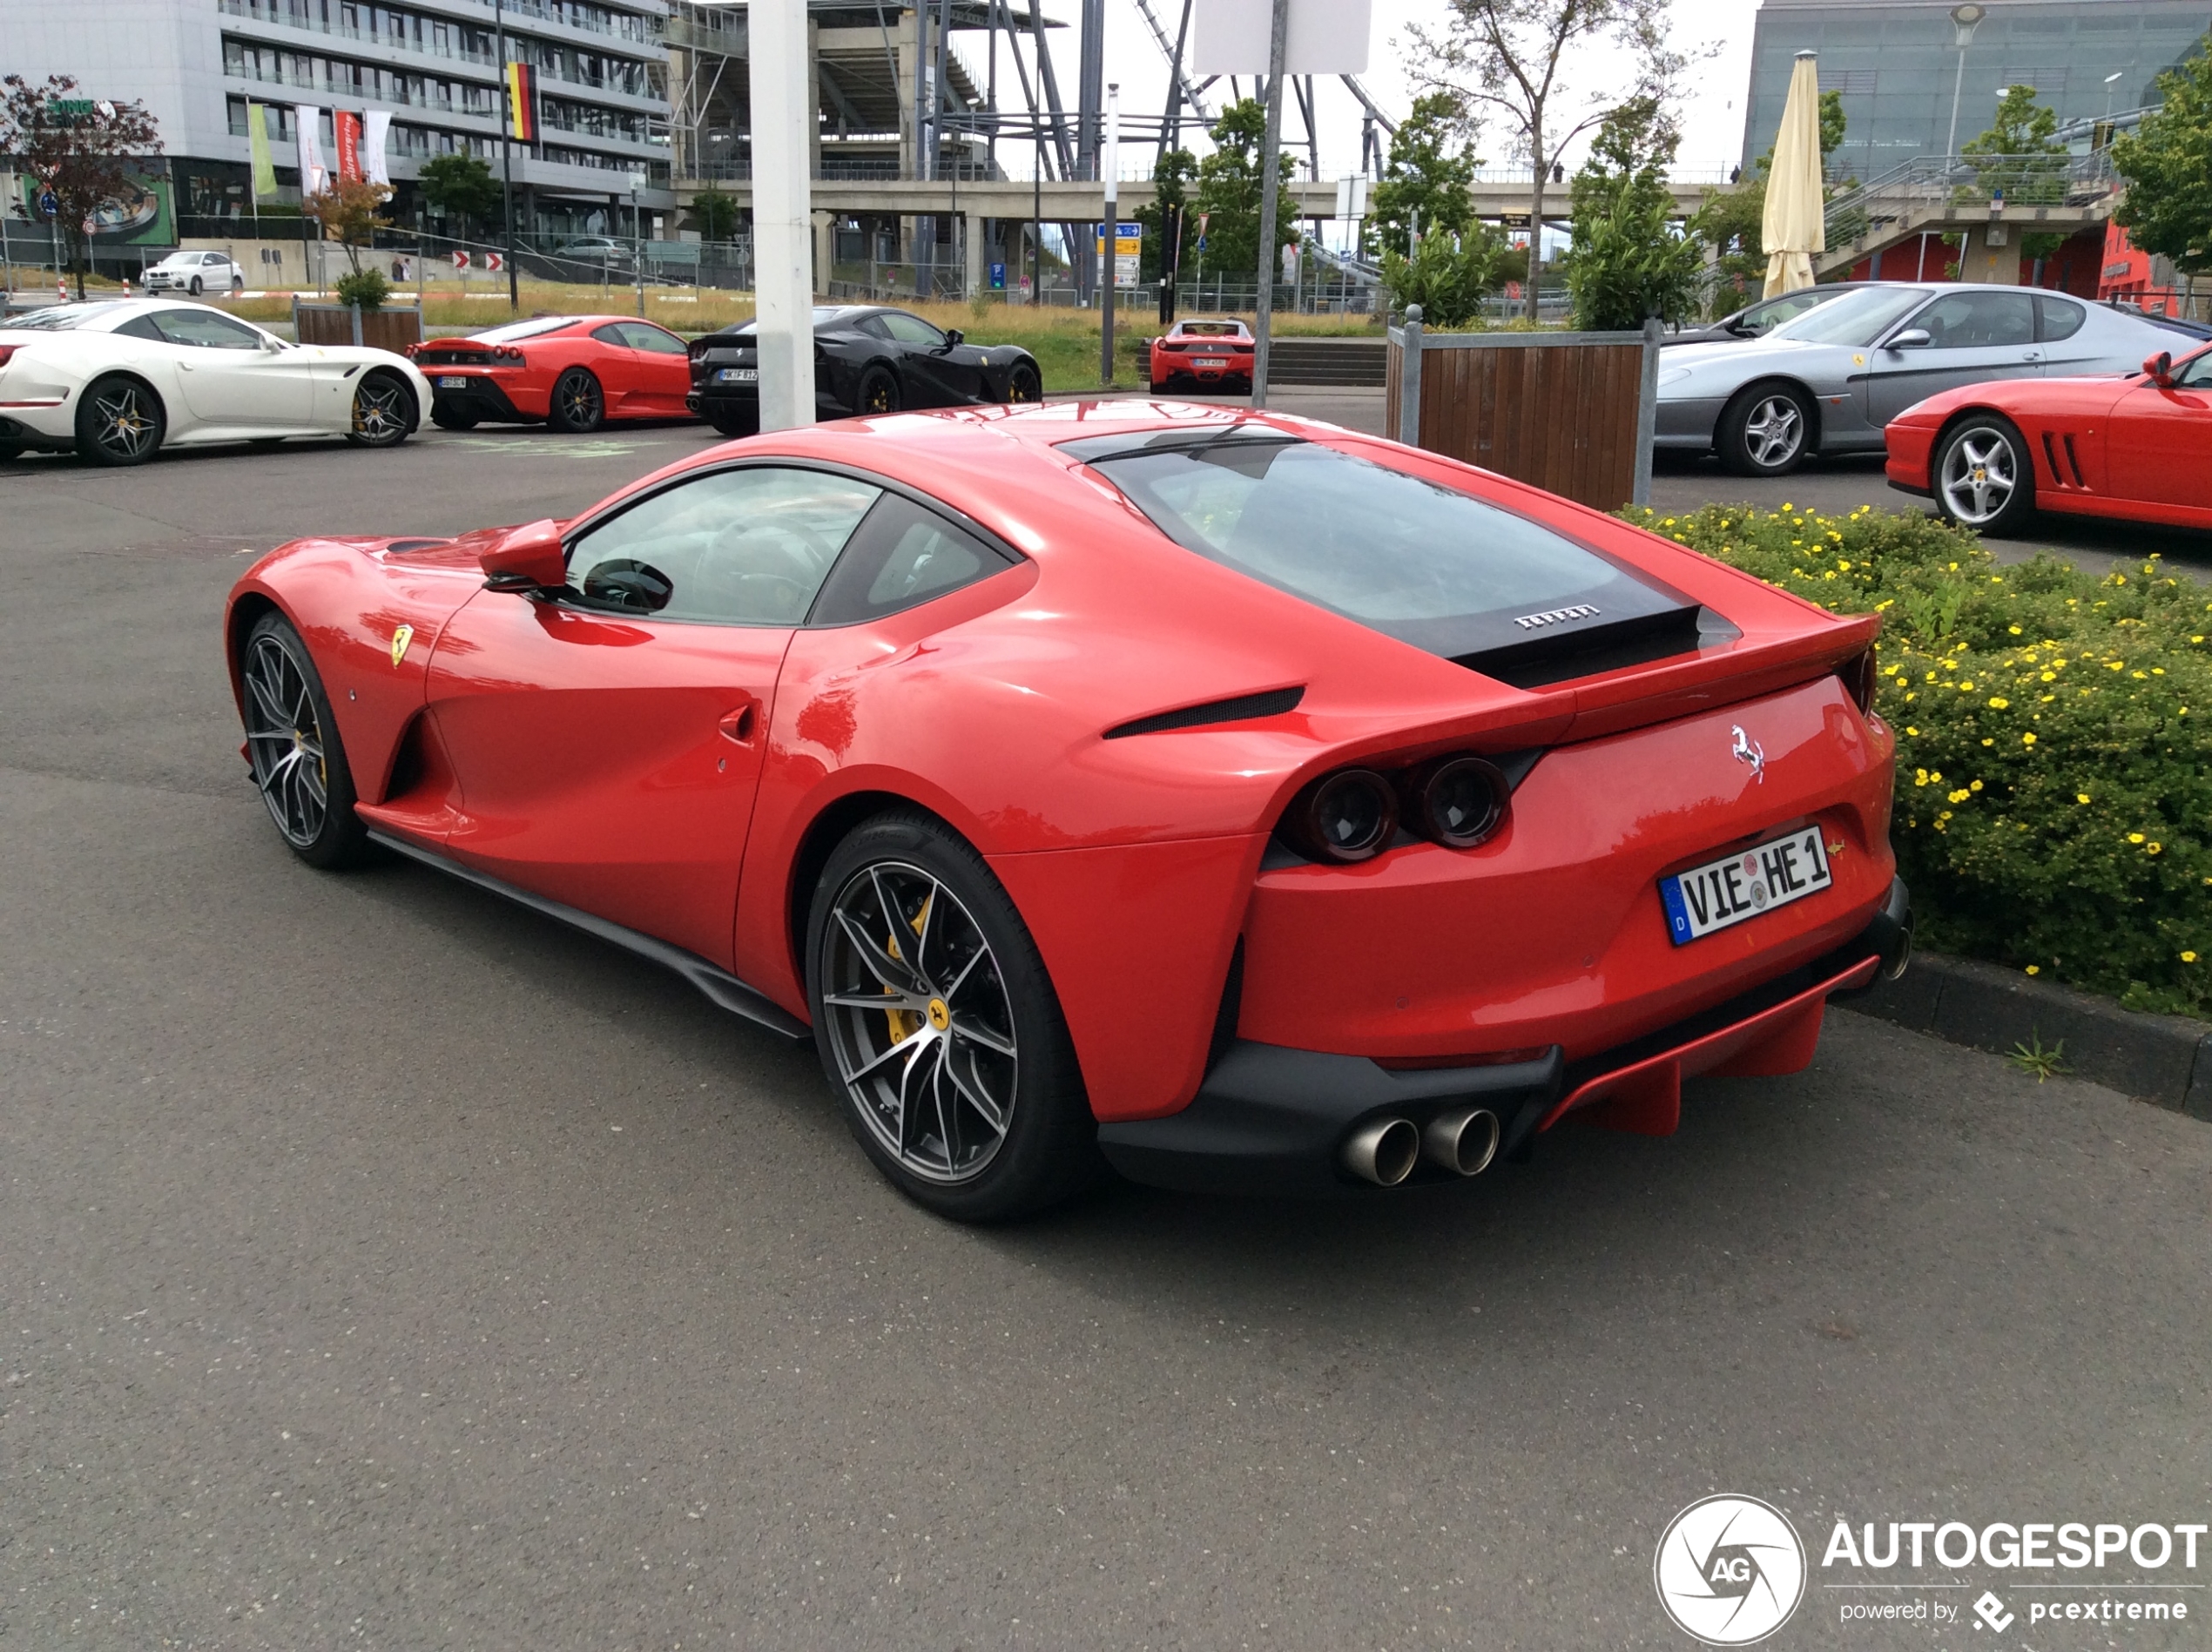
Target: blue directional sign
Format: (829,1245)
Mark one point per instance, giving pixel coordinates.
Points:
(998,278)
(50,203)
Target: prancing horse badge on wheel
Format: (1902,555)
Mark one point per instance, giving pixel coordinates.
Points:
(401,639)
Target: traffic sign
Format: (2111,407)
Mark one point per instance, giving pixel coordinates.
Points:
(50,203)
(493,262)
(998,278)
(460,260)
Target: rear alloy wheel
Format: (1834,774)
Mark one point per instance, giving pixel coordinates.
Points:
(291,741)
(383,411)
(878,391)
(1983,477)
(1766,431)
(939,1029)
(578,403)
(119,421)
(1023,385)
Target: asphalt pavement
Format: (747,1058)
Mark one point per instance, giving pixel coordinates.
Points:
(383,1265)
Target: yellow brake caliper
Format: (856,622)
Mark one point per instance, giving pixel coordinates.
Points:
(905,1023)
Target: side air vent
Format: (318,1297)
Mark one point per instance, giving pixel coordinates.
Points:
(1243,709)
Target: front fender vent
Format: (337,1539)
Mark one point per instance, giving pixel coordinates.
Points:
(1243,709)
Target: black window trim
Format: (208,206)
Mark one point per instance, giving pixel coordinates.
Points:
(953,514)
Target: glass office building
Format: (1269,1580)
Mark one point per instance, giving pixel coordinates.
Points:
(1896,65)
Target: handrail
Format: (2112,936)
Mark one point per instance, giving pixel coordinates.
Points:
(1970,180)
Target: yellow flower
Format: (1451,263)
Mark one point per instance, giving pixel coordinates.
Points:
(2035,969)
(2152,848)
(2048,677)
(1965,688)
(1920,778)
(1987,739)
(2134,837)
(1959,796)
(1973,785)
(2189,957)
(2083,797)
(1909,729)
(1997,702)
(2014,630)
(2027,739)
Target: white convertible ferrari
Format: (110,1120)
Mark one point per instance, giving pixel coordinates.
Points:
(119,379)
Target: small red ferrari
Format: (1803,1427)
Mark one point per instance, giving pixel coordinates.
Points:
(571,372)
(1203,355)
(1239,801)
(2137,447)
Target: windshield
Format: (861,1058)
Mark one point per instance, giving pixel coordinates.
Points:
(1856,319)
(1442,569)
(824,314)
(529,329)
(59,318)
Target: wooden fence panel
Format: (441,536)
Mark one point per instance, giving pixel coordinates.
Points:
(386,329)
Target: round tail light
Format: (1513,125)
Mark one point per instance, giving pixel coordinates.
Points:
(1343,817)
(1458,802)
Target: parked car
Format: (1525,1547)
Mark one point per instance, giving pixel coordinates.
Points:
(196,273)
(867,359)
(1757,321)
(1830,380)
(1256,805)
(571,372)
(1209,356)
(600,250)
(2137,447)
(119,379)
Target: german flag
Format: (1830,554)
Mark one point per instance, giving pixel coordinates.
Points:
(522,101)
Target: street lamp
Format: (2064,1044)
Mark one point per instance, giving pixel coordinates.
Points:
(1964,21)
(2110,79)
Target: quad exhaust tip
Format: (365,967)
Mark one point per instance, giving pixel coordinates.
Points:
(1463,1141)
(1382,1150)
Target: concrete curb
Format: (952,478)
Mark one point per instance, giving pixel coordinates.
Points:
(2165,1060)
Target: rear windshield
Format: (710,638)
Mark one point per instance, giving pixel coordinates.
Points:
(1856,319)
(1211,329)
(59,318)
(530,329)
(1432,566)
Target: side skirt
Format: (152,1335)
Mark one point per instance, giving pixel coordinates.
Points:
(718,984)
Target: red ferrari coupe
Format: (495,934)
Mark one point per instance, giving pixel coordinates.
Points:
(1250,803)
(571,372)
(1202,354)
(2135,447)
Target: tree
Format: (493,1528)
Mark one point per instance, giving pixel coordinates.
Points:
(83,151)
(1171,176)
(1229,186)
(1448,274)
(346,208)
(1627,260)
(2015,147)
(463,186)
(1424,184)
(1501,59)
(714,214)
(1733,220)
(2167,162)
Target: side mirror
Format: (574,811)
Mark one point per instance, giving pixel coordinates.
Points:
(955,336)
(2160,368)
(529,559)
(1913,338)
(272,347)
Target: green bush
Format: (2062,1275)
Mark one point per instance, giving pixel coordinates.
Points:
(2053,791)
(366,287)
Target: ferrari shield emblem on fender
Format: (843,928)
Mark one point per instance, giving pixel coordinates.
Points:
(401,639)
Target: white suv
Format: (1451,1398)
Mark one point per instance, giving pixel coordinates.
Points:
(196,273)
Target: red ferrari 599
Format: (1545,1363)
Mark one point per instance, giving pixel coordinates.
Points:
(1234,801)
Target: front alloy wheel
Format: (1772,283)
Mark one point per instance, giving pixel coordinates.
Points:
(1774,432)
(1982,479)
(381,405)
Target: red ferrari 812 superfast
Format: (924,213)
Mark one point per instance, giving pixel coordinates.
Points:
(1227,797)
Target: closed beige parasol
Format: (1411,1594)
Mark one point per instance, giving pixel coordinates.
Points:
(1794,226)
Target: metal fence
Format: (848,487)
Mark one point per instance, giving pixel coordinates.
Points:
(1980,181)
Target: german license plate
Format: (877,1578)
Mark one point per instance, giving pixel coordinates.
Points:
(737,375)
(1742,886)
(1210,361)
(453,381)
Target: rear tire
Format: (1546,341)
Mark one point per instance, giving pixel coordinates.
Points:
(119,421)
(1765,431)
(579,405)
(447,419)
(1983,478)
(984,1118)
(736,424)
(292,741)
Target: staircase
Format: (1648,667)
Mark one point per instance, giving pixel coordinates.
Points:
(1339,363)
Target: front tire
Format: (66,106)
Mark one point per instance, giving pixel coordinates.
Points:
(1984,479)
(292,741)
(195,287)
(1765,431)
(579,405)
(383,412)
(119,421)
(1024,385)
(939,1028)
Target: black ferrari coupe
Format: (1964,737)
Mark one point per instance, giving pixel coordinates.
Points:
(867,359)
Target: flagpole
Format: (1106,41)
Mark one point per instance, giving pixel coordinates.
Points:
(507,152)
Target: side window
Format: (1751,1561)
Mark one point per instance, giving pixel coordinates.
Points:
(741,547)
(141,327)
(611,334)
(209,328)
(912,329)
(1979,320)
(2059,318)
(902,554)
(874,326)
(644,335)
(2195,373)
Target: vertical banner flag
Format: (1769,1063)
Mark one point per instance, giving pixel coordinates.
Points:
(376,131)
(345,127)
(315,177)
(257,133)
(522,99)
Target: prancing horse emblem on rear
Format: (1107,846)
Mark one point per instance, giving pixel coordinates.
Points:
(1748,750)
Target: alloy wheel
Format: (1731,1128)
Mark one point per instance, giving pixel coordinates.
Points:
(580,400)
(123,423)
(1979,475)
(1773,432)
(378,415)
(920,1021)
(879,395)
(283,741)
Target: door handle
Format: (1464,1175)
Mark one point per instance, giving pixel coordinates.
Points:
(737,724)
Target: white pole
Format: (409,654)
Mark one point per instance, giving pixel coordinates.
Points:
(1109,166)
(782,218)
(1270,176)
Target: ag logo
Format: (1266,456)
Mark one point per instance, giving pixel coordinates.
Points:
(1730,1570)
